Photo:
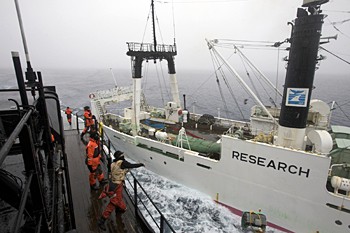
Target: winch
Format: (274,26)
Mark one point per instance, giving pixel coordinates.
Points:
(253,221)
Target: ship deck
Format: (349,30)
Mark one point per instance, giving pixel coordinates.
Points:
(87,207)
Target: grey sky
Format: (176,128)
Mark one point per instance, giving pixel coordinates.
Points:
(93,33)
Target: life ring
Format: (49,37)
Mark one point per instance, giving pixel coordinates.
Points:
(91,96)
(179,112)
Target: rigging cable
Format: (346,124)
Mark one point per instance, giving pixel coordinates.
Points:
(160,86)
(230,90)
(173,11)
(342,111)
(144,31)
(202,1)
(219,85)
(192,95)
(145,78)
(248,75)
(265,79)
(337,29)
(277,73)
(258,77)
(160,32)
(346,103)
(161,67)
(164,81)
(144,84)
(241,82)
(336,11)
(335,55)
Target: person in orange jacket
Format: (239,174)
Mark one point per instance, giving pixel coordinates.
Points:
(68,112)
(88,120)
(114,189)
(93,158)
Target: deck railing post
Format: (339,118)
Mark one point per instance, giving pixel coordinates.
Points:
(135,195)
(161,223)
(109,159)
(77,121)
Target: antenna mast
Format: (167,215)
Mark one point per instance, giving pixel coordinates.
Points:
(154,28)
(30,74)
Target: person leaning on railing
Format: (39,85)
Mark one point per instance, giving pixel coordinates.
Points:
(114,189)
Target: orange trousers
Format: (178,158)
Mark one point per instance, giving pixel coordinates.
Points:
(116,200)
(95,172)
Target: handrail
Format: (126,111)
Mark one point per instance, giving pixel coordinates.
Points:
(149,47)
(162,217)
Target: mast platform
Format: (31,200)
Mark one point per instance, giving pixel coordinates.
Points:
(149,51)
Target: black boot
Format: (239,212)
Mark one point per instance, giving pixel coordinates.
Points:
(104,181)
(101,223)
(94,187)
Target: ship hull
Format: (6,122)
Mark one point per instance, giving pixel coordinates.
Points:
(288,186)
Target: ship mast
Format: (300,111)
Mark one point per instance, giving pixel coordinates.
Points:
(154,28)
(146,51)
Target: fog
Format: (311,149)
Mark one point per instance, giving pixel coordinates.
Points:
(82,34)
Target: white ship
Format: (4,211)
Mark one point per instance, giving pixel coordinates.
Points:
(287,162)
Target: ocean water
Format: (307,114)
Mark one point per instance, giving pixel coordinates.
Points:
(186,209)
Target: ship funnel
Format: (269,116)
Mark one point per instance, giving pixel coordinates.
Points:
(305,39)
(308,3)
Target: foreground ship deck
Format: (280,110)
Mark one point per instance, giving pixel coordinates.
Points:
(87,207)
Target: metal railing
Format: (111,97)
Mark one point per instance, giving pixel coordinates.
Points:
(29,134)
(148,47)
(32,141)
(163,225)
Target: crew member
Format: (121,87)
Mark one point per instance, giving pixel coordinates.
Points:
(88,121)
(114,190)
(93,158)
(68,112)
